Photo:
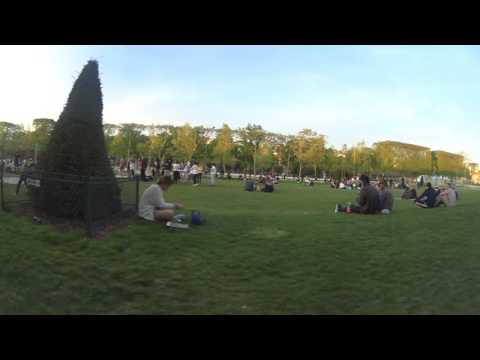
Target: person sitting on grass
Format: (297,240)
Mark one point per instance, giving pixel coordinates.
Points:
(427,199)
(250,184)
(409,194)
(268,184)
(152,204)
(446,197)
(386,198)
(368,199)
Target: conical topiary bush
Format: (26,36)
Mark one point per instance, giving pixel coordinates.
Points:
(76,152)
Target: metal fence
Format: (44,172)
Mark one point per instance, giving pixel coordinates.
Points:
(19,194)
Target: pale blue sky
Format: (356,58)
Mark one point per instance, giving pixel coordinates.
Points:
(425,95)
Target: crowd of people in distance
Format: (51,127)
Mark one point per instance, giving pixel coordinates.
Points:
(345,184)
(139,167)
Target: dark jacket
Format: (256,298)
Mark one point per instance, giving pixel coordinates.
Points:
(386,199)
(431,195)
(369,200)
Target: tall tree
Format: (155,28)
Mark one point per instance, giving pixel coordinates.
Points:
(77,148)
(251,137)
(301,147)
(185,142)
(224,145)
(315,152)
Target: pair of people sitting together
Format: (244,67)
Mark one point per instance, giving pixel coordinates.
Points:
(431,197)
(264,184)
(370,200)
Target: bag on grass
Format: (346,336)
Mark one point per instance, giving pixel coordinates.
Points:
(197,218)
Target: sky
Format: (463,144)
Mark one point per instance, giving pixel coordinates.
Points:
(424,95)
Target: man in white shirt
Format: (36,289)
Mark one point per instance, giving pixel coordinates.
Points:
(194,172)
(152,204)
(213,174)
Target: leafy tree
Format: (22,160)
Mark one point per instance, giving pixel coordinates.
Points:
(224,145)
(301,147)
(185,142)
(251,137)
(315,152)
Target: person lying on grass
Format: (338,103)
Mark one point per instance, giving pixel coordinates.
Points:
(427,199)
(386,198)
(153,206)
(368,199)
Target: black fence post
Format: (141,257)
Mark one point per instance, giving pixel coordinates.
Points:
(2,200)
(88,209)
(137,194)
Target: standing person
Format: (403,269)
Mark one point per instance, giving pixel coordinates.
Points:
(194,173)
(152,204)
(157,166)
(131,168)
(176,171)
(213,174)
(143,169)
(200,173)
(368,200)
(186,171)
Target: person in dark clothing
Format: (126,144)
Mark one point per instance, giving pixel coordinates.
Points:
(268,184)
(250,185)
(143,168)
(427,199)
(409,194)
(368,199)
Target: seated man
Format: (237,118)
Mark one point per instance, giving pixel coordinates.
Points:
(386,198)
(368,200)
(250,185)
(427,199)
(268,187)
(409,194)
(153,206)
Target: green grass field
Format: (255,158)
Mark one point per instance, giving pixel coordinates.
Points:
(280,253)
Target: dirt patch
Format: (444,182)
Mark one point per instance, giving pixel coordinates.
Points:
(268,233)
(100,228)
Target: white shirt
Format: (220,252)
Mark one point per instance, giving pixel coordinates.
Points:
(152,198)
(213,170)
(452,197)
(175,166)
(194,170)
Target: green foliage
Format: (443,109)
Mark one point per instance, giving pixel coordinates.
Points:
(77,148)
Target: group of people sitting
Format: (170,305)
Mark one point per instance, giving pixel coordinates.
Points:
(371,200)
(379,199)
(265,184)
(443,196)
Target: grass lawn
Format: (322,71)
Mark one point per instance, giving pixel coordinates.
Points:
(279,253)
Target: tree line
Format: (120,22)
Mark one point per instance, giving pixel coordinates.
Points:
(250,149)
